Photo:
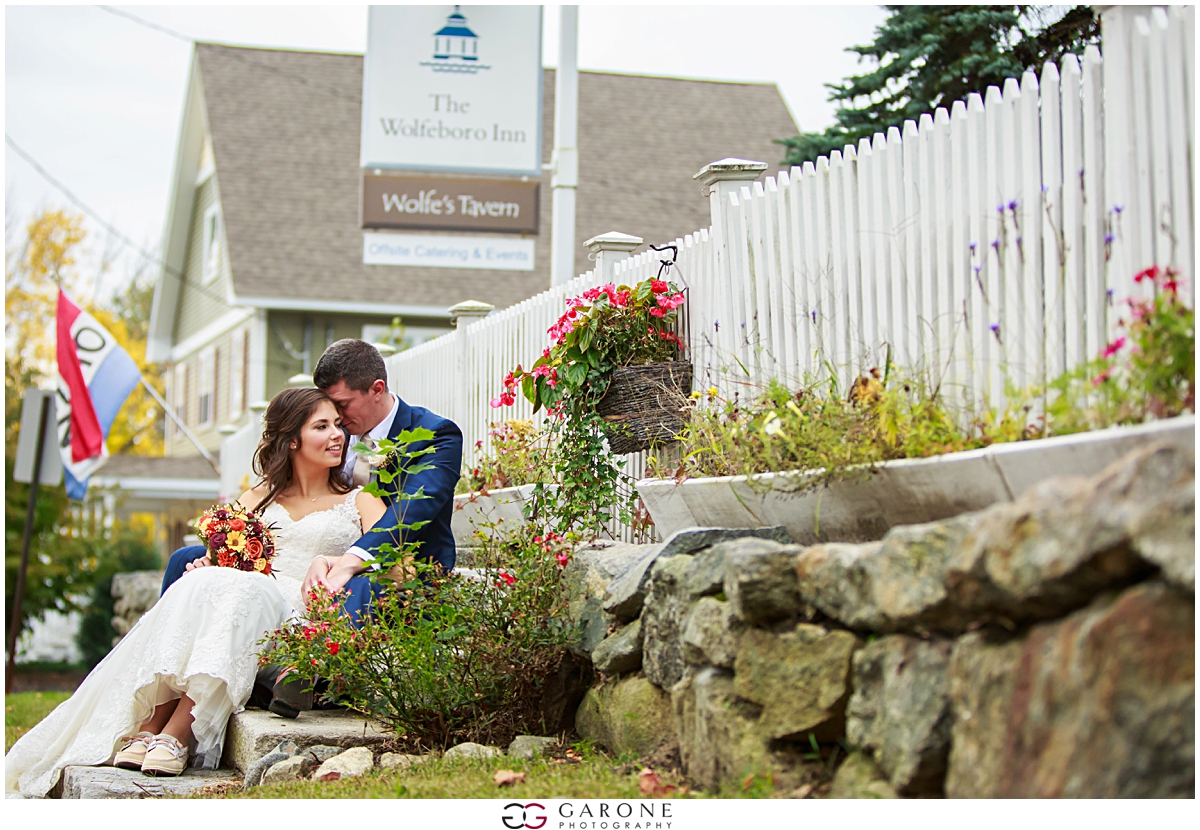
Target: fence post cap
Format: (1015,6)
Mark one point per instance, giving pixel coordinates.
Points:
(470,310)
(730,169)
(613,241)
(300,381)
(226,430)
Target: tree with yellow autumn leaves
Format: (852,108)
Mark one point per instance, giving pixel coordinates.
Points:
(65,561)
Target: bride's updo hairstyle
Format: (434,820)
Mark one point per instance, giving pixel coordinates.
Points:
(286,416)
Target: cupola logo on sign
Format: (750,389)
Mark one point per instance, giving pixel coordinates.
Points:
(455,47)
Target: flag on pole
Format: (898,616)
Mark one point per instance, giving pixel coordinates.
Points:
(95,376)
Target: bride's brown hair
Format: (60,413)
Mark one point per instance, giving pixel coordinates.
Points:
(286,415)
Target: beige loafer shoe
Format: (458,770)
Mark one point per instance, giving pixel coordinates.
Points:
(133,750)
(166,756)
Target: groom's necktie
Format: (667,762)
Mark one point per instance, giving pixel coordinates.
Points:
(362,467)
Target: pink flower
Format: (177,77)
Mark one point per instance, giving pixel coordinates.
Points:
(659,286)
(1150,273)
(1114,347)
(506,578)
(1100,378)
(658,312)
(562,559)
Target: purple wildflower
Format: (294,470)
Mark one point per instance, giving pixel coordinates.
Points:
(1013,204)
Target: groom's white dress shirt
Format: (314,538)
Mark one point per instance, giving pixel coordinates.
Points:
(379,432)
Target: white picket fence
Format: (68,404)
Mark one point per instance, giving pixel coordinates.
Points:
(989,242)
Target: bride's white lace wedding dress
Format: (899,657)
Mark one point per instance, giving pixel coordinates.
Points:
(201,639)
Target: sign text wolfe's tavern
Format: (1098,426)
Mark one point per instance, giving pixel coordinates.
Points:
(445,203)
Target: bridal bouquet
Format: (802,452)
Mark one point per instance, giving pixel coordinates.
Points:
(237,538)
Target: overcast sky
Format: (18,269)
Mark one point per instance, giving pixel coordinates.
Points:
(97,98)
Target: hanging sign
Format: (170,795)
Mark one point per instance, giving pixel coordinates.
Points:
(444,203)
(453,88)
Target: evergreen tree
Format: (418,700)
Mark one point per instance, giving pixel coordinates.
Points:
(930,56)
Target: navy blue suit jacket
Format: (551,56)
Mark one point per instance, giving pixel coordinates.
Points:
(436,539)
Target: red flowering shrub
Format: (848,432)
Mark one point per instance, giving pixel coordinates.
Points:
(445,658)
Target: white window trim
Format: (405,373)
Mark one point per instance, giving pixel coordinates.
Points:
(205,382)
(211,239)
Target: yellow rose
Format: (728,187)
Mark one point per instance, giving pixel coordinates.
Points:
(235,540)
(259,564)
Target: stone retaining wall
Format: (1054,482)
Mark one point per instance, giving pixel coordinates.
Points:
(1039,648)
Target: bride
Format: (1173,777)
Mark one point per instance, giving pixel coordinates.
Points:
(167,689)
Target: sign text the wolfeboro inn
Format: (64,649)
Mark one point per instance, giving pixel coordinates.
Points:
(453,89)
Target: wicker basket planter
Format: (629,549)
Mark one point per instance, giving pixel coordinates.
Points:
(645,405)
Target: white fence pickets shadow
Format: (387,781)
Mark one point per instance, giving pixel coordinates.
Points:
(988,243)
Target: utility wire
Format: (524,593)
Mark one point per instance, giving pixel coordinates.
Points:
(236,53)
(108,226)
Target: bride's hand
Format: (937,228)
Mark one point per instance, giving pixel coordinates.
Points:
(317,572)
(202,562)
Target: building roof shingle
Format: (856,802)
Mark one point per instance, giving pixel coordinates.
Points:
(285,129)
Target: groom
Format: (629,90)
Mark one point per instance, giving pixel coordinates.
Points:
(353,374)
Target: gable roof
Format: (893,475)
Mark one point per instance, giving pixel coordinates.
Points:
(285,129)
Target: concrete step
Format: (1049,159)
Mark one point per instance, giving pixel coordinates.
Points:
(253,733)
(111,782)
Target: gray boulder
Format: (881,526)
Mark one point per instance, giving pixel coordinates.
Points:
(621,651)
(586,580)
(627,715)
(719,738)
(706,574)
(800,678)
(900,710)
(666,608)
(256,771)
(760,580)
(530,746)
(289,769)
(711,634)
(470,750)
(627,592)
(694,539)
(320,753)
(1101,704)
(1063,542)
(892,585)
(396,760)
(859,777)
(353,762)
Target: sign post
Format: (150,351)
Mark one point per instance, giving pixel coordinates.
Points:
(37,413)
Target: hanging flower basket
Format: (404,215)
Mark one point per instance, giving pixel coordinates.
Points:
(645,405)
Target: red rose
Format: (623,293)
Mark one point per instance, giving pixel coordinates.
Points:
(254,548)
(237,524)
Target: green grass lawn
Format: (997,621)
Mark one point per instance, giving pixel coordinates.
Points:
(592,776)
(23,710)
(583,773)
